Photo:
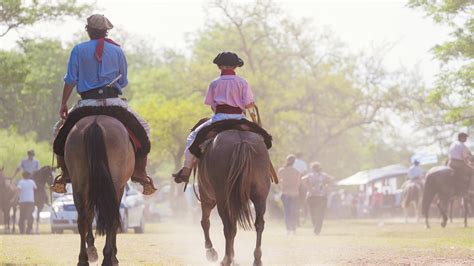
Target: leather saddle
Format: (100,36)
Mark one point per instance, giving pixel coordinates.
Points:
(136,131)
(212,130)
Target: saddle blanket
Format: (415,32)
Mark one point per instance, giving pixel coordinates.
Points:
(215,128)
(114,107)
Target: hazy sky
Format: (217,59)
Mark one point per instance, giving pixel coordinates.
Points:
(360,24)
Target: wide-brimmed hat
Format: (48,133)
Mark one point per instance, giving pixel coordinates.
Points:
(99,22)
(228,59)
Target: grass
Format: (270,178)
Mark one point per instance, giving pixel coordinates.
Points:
(182,243)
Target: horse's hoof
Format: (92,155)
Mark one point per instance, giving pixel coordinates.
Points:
(115,261)
(82,263)
(92,254)
(443,224)
(257,263)
(427,226)
(211,254)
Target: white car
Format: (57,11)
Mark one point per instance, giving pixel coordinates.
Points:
(64,214)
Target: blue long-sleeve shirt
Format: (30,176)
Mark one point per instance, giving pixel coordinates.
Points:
(86,73)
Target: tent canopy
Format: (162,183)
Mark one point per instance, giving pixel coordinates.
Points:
(367,176)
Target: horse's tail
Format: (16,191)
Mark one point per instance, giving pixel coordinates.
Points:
(428,194)
(410,193)
(405,196)
(102,195)
(239,184)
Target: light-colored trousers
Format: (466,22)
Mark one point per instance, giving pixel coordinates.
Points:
(189,158)
(105,102)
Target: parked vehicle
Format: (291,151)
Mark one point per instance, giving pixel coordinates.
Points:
(64,213)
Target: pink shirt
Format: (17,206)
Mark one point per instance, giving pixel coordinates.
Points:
(231,90)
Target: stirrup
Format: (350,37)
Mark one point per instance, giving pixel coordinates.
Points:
(59,184)
(180,178)
(147,184)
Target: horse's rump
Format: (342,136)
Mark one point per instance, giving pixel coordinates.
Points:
(411,192)
(233,163)
(100,159)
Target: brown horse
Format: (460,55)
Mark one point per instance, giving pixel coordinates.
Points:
(8,200)
(100,160)
(442,182)
(411,195)
(234,171)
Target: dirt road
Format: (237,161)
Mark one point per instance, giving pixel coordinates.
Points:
(341,242)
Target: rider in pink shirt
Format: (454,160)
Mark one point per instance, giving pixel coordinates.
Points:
(228,95)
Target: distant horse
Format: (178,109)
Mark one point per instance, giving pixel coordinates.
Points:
(411,195)
(41,177)
(441,181)
(8,196)
(100,160)
(234,170)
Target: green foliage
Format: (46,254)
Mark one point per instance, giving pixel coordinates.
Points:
(14,146)
(31,85)
(457,56)
(18,13)
(314,96)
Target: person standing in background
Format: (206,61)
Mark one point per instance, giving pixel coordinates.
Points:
(300,164)
(26,189)
(317,184)
(290,180)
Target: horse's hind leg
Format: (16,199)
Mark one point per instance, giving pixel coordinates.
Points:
(443,206)
(82,225)
(260,207)
(417,212)
(91,249)
(206,208)
(465,203)
(110,250)
(451,207)
(13,219)
(230,230)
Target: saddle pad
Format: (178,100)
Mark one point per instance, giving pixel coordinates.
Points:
(117,112)
(215,128)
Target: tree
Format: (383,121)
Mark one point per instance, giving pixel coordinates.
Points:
(314,95)
(15,14)
(453,92)
(31,85)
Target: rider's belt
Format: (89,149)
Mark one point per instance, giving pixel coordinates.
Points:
(227,109)
(101,93)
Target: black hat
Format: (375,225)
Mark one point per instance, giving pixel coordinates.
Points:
(228,59)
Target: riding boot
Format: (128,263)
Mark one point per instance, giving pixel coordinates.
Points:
(182,175)
(59,184)
(140,176)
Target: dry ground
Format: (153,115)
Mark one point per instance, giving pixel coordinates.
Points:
(341,242)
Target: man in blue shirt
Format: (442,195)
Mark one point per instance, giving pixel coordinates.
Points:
(98,70)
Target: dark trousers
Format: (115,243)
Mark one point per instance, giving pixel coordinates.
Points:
(290,207)
(462,174)
(26,215)
(317,208)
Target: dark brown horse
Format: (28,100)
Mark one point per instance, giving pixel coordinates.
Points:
(441,182)
(233,172)
(7,199)
(100,160)
(41,177)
